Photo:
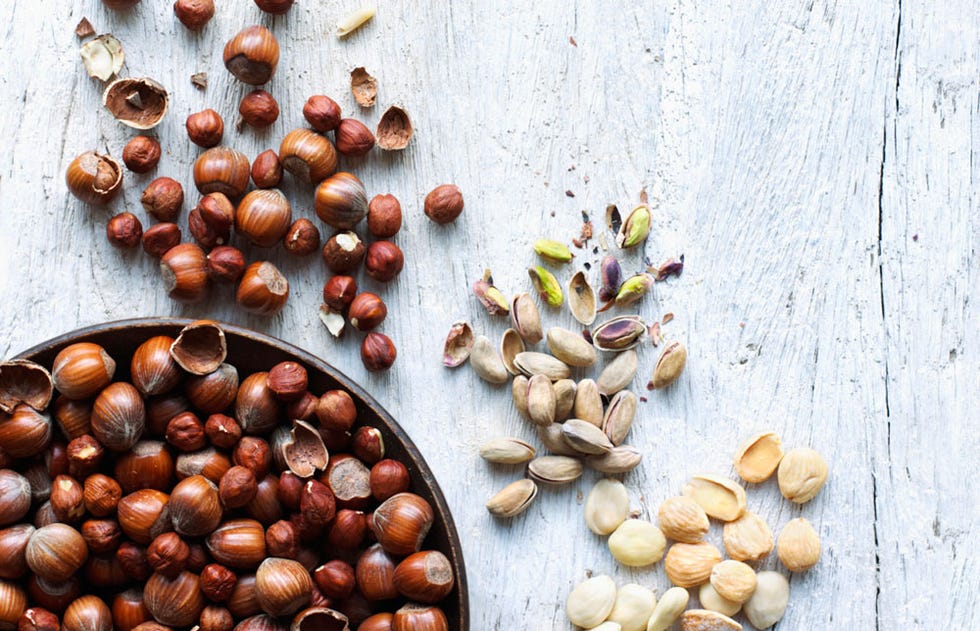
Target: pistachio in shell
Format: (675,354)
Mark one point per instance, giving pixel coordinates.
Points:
(139,103)
(619,334)
(510,345)
(23,381)
(669,366)
(459,343)
(200,348)
(618,373)
(636,227)
(304,451)
(513,499)
(489,296)
(555,469)
(486,362)
(394,129)
(525,318)
(506,451)
(581,299)
(546,285)
(102,56)
(363,86)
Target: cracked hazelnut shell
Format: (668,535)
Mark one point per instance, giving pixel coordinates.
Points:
(139,103)
(93,178)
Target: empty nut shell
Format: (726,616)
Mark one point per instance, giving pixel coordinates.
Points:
(138,103)
(394,129)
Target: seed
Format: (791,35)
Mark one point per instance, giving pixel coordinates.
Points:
(719,497)
(670,607)
(585,438)
(748,538)
(486,362)
(758,457)
(607,506)
(798,545)
(555,469)
(689,564)
(633,607)
(619,416)
(621,459)
(619,334)
(683,519)
(532,363)
(506,451)
(669,366)
(513,499)
(637,543)
(588,402)
(591,602)
(540,400)
(612,277)
(633,289)
(354,20)
(733,580)
(564,398)
(526,319)
(618,373)
(546,285)
(802,473)
(635,229)
(710,599)
(768,603)
(570,347)
(552,251)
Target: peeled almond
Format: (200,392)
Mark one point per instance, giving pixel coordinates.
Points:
(720,497)
(758,457)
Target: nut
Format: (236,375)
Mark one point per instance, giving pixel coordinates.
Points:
(15,496)
(670,366)
(237,487)
(339,292)
(87,612)
(205,128)
(768,603)
(25,433)
(619,416)
(341,201)
(532,363)
(377,352)
(336,579)
(252,55)
(282,540)
(733,580)
(444,203)
(506,451)
(635,228)
(384,261)
(619,333)
(186,432)
(275,7)
(194,14)
(159,238)
(218,213)
(124,231)
(308,155)
(704,620)
(486,362)
(591,601)
(633,607)
(552,251)
(101,495)
(55,552)
(668,609)
(384,216)
(349,529)
(67,499)
(402,522)
(174,602)
(588,402)
(222,431)
(547,286)
(336,410)
(367,444)
(541,401)
(343,252)
(263,289)
(102,56)
(682,519)
(267,169)
(195,507)
(801,474)
(222,170)
(141,154)
(302,238)
(570,347)
(138,103)
(689,564)
(168,554)
(621,459)
(618,373)
(282,586)
(525,318)
(162,198)
(367,311)
(264,216)
(322,113)
(254,453)
(238,543)
(637,543)
(607,506)
(425,577)
(720,497)
(375,572)
(555,469)
(710,599)
(118,416)
(413,617)
(748,538)
(388,478)
(758,457)
(353,138)
(93,178)
(23,381)
(633,288)
(225,264)
(798,545)
(259,109)
(585,438)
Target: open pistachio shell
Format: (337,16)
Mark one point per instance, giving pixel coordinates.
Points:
(619,334)
(459,343)
(23,381)
(581,299)
(510,345)
(532,363)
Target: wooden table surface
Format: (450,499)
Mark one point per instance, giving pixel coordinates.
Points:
(813,161)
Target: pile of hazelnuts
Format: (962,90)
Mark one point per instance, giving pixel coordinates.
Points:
(185,497)
(263,216)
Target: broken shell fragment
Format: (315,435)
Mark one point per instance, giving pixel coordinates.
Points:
(635,229)
(634,288)
(506,451)
(570,347)
(618,373)
(621,459)
(581,299)
(585,438)
(394,129)
(510,345)
(489,296)
(333,320)
(546,285)
(619,334)
(705,620)
(459,343)
(304,451)
(564,398)
(540,400)
(513,499)
(486,362)
(308,619)
(533,363)
(588,402)
(555,469)
(525,317)
(363,86)
(552,251)
(612,278)
(138,103)
(23,381)
(669,367)
(102,56)
(200,348)
(619,416)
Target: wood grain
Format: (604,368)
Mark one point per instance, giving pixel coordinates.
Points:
(813,160)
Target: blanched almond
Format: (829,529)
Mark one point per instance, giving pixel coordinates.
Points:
(709,598)
(733,580)
(682,519)
(689,564)
(748,538)
(802,473)
(634,604)
(670,607)
(758,457)
(798,545)
(720,497)
(637,543)
(591,602)
(606,507)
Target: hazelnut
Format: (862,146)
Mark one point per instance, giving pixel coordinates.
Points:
(25,433)
(252,55)
(186,432)
(152,369)
(341,201)
(102,536)
(225,264)
(118,416)
(282,540)
(444,203)
(368,444)
(198,558)
(384,261)
(194,14)
(162,198)
(195,507)
(217,582)
(377,352)
(124,231)
(282,586)
(412,616)
(402,522)
(175,602)
(205,236)
(215,391)
(425,577)
(87,612)
(132,559)
(128,609)
(93,178)
(158,239)
(343,252)
(84,456)
(141,154)
(259,109)
(222,431)
(144,514)
(336,579)
(265,505)
(38,619)
(185,274)
(348,530)
(73,417)
(256,408)
(263,289)
(375,573)
(55,552)
(67,499)
(168,554)
(384,217)
(290,490)
(205,128)
(353,138)
(215,618)
(350,481)
(238,543)
(322,113)
(287,380)
(267,169)
(336,410)
(217,211)
(237,487)
(253,453)
(302,238)
(308,155)
(101,494)
(148,465)
(317,504)
(275,7)
(15,496)
(55,596)
(339,292)
(367,311)
(222,170)
(263,216)
(302,408)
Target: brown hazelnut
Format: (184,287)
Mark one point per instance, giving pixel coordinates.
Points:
(152,369)
(341,201)
(103,571)
(259,109)
(205,236)
(263,289)
(124,231)
(317,504)
(102,536)
(128,609)
(159,238)
(348,530)
(185,273)
(253,453)
(218,212)
(256,408)
(148,465)
(209,462)
(349,480)
(67,499)
(93,178)
(118,416)
(84,456)
(160,409)
(275,7)
(175,602)
(377,622)
(222,431)
(222,170)
(375,573)
(384,218)
(217,582)
(252,55)
(267,169)
(194,14)
(339,292)
(195,507)
(377,352)
(25,433)
(225,264)
(81,370)
(367,311)
(287,380)
(336,579)
(368,444)
(132,559)
(205,128)
(353,138)
(215,618)
(186,432)
(265,506)
(144,514)
(308,155)
(384,261)
(290,490)
(302,238)
(444,203)
(413,616)
(302,408)
(87,612)
(322,113)
(242,604)
(425,577)
(162,198)
(343,252)
(388,478)
(168,554)
(73,417)
(282,540)
(141,154)
(101,494)
(237,487)
(282,586)
(402,522)
(55,552)
(120,5)
(336,410)
(38,619)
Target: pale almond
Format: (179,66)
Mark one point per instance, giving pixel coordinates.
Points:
(802,473)
(748,538)
(733,580)
(682,519)
(704,620)
(689,564)
(758,457)
(709,598)
(798,545)
(720,497)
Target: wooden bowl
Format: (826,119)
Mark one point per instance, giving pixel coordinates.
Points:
(250,352)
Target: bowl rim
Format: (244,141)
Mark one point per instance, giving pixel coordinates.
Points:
(442,506)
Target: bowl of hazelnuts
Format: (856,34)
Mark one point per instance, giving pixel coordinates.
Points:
(169,474)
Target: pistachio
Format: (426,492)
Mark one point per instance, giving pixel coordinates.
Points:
(758,457)
(607,506)
(612,278)
(588,402)
(540,400)
(510,345)
(689,564)
(637,543)
(591,602)
(802,473)
(619,416)
(552,251)
(798,545)
(513,499)
(506,451)
(704,620)
(711,600)
(633,607)
(564,398)
(490,297)
(532,363)
(621,459)
(555,469)
(553,439)
(518,391)
(633,289)
(768,603)
(459,343)
(733,580)
(585,438)
(669,367)
(581,299)
(486,362)
(682,519)
(526,319)
(570,347)
(748,538)
(636,227)
(619,334)
(670,607)
(670,267)
(546,285)
(618,373)
(720,497)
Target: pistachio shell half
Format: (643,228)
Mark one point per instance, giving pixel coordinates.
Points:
(581,299)
(510,345)
(519,392)
(459,343)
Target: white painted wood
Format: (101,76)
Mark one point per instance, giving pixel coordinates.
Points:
(793,149)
